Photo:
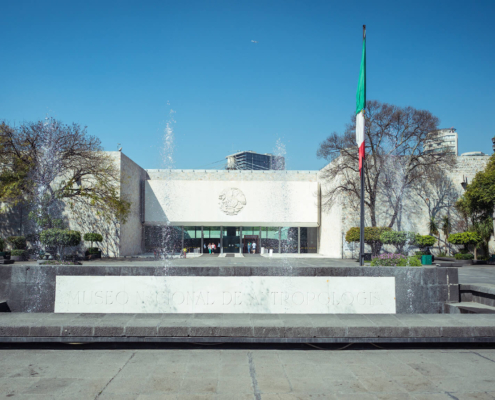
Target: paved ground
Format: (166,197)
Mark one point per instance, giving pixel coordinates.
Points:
(247,374)
(475,274)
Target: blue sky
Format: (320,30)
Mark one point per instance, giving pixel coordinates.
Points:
(119,67)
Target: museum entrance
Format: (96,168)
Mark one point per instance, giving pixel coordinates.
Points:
(231,239)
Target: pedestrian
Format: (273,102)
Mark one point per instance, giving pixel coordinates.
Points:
(254,247)
(249,247)
(209,248)
(219,247)
(213,248)
(204,247)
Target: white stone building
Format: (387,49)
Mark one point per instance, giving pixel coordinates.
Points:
(278,210)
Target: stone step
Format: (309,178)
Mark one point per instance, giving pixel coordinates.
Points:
(478,293)
(469,307)
(248,328)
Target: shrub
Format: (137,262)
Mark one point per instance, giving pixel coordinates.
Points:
(399,239)
(464,238)
(93,250)
(424,241)
(17,242)
(371,236)
(93,237)
(395,260)
(1,244)
(18,252)
(60,238)
(461,256)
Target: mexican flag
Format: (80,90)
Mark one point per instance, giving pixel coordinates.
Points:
(361,104)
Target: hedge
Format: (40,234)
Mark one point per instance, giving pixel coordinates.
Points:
(464,238)
(1,244)
(395,260)
(371,234)
(17,242)
(425,240)
(93,237)
(60,237)
(18,252)
(461,256)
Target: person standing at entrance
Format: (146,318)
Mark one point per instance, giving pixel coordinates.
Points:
(249,247)
(219,246)
(254,247)
(209,248)
(213,248)
(204,247)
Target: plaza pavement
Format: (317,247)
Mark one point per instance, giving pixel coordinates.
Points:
(259,374)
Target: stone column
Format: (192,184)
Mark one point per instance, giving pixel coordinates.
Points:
(240,238)
(298,240)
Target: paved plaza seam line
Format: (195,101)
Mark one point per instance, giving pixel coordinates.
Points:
(452,396)
(486,358)
(252,372)
(113,377)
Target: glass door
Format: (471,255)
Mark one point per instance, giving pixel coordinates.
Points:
(231,239)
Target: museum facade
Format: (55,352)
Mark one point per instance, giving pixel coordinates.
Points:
(279,210)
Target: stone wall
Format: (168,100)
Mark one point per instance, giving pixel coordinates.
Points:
(132,179)
(415,213)
(226,175)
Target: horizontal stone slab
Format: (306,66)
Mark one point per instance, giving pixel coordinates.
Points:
(283,328)
(226,294)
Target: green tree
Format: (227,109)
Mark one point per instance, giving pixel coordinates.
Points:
(446,227)
(478,201)
(424,241)
(60,238)
(93,237)
(484,229)
(398,239)
(371,237)
(466,239)
(44,162)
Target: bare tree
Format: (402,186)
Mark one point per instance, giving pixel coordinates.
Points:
(395,157)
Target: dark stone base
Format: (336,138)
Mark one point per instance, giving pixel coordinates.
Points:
(418,290)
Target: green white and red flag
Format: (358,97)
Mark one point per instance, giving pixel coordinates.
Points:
(361,105)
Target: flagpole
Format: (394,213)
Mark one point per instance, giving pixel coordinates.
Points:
(361,227)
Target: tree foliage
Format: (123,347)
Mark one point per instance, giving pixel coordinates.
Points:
(479,198)
(60,237)
(423,241)
(464,238)
(93,237)
(397,238)
(17,242)
(395,158)
(46,161)
(371,236)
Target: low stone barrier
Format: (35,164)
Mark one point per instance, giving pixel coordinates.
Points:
(417,290)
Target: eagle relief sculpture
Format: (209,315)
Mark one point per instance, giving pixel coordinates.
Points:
(232,200)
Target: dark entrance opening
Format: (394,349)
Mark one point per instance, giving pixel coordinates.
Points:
(247,243)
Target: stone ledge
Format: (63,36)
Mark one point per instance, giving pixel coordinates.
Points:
(293,328)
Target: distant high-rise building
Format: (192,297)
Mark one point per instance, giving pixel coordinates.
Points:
(442,141)
(249,160)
